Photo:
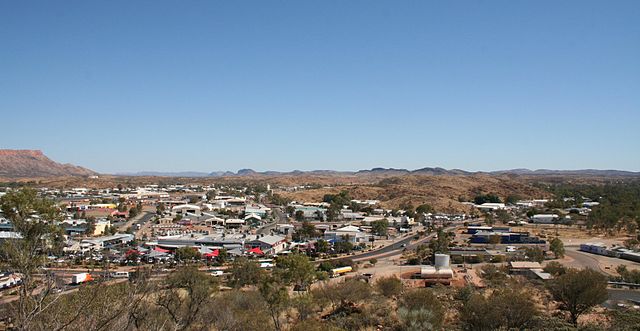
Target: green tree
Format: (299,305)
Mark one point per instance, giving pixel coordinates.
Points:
(295,269)
(245,272)
(322,246)
(505,308)
(32,218)
(343,247)
(380,227)
(188,291)
(557,247)
(276,297)
(555,268)
(535,254)
(420,309)
(424,209)
(160,208)
(440,244)
(187,254)
(390,287)
(307,230)
(299,215)
(579,291)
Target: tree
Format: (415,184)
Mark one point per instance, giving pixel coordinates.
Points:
(184,310)
(343,246)
(555,268)
(160,208)
(390,287)
(32,219)
(506,308)
(420,309)
(380,227)
(579,291)
(245,272)
(277,298)
(322,246)
(295,269)
(494,240)
(299,215)
(492,198)
(493,275)
(557,247)
(187,254)
(535,254)
(307,230)
(424,209)
(440,244)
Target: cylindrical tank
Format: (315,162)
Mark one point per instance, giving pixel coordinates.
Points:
(442,260)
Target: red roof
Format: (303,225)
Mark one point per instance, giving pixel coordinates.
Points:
(161,250)
(215,253)
(256,250)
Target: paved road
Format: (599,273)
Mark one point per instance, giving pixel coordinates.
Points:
(141,218)
(397,247)
(584,260)
(281,218)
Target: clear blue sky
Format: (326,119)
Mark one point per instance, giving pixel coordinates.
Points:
(283,85)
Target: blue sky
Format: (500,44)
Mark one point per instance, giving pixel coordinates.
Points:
(282,85)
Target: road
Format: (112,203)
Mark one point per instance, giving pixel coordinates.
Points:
(397,247)
(281,218)
(144,216)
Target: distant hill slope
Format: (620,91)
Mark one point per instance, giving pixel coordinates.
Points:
(33,163)
(387,172)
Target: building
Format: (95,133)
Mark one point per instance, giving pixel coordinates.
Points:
(473,229)
(269,244)
(258,210)
(186,209)
(440,272)
(349,233)
(491,206)
(484,237)
(100,243)
(197,240)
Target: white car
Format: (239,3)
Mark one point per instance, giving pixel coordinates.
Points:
(511,249)
(216,273)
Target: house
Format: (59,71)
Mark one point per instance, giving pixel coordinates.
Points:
(544,218)
(285,229)
(258,210)
(233,223)
(100,243)
(253,219)
(491,206)
(269,244)
(348,233)
(186,209)
(311,212)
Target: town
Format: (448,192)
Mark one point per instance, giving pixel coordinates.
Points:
(239,236)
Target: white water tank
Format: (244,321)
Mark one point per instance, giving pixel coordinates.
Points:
(442,260)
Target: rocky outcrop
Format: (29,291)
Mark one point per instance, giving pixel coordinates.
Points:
(33,163)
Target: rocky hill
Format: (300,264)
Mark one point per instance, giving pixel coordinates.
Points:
(33,163)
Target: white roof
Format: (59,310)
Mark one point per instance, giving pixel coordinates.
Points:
(185,206)
(349,228)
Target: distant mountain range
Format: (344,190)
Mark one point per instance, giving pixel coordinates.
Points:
(33,163)
(387,172)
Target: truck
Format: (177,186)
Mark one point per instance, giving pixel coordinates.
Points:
(81,278)
(340,271)
(119,274)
